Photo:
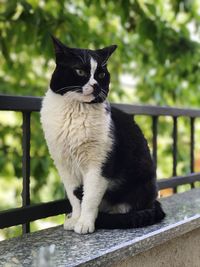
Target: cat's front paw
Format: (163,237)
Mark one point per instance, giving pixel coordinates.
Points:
(84,226)
(70,223)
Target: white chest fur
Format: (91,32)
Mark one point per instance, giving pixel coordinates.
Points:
(77,134)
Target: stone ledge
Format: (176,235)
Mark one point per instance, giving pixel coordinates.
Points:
(105,247)
(182,251)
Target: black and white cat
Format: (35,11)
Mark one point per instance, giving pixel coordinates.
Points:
(99,151)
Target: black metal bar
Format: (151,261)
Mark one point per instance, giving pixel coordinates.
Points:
(30,103)
(20,103)
(26,165)
(174,146)
(34,212)
(154,141)
(174,150)
(192,143)
(173,182)
(156,110)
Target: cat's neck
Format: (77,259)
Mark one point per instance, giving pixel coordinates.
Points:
(66,101)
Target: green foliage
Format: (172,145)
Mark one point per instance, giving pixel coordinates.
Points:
(156,46)
(153,34)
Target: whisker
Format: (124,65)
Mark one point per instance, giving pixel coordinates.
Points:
(71,92)
(104,91)
(102,98)
(68,87)
(103,94)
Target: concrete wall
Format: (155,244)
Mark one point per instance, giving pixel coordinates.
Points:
(183,251)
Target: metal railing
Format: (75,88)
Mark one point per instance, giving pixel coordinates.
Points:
(26,105)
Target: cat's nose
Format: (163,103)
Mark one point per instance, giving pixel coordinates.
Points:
(96,88)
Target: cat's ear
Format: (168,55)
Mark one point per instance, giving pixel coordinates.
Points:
(106,52)
(59,47)
(63,54)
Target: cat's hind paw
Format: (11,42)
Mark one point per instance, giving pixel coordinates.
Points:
(84,227)
(70,223)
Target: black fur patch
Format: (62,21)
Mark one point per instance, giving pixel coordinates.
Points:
(133,219)
(131,167)
(78,192)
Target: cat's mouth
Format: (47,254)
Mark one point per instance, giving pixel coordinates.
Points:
(88,91)
(100,98)
(89,96)
(94,94)
(92,99)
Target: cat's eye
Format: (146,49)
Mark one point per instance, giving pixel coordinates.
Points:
(81,72)
(101,75)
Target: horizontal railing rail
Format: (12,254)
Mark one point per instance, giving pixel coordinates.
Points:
(178,180)
(27,214)
(33,103)
(20,103)
(28,104)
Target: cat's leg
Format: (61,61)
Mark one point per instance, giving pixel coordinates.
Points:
(71,221)
(94,188)
(70,183)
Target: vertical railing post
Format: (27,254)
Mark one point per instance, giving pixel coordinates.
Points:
(192,143)
(26,165)
(174,149)
(154,139)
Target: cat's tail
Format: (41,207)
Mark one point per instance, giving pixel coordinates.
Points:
(132,219)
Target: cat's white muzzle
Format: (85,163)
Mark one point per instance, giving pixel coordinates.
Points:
(88,90)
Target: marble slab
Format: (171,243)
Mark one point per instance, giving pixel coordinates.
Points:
(56,247)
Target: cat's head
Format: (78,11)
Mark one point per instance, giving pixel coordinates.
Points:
(81,74)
